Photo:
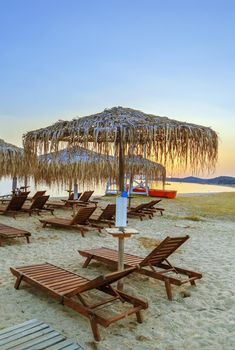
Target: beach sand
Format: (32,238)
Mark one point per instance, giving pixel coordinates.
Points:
(204,320)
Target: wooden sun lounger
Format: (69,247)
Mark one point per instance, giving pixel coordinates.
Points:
(38,205)
(69,289)
(149,208)
(62,203)
(79,222)
(85,199)
(158,258)
(14,206)
(36,195)
(9,197)
(34,335)
(106,217)
(139,212)
(7,232)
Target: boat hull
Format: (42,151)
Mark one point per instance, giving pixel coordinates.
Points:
(162,193)
(157,193)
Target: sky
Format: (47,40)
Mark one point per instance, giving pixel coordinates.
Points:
(65,58)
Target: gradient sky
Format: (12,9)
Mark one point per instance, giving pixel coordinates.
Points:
(65,58)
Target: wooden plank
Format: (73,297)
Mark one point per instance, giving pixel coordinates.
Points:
(26,336)
(29,323)
(63,345)
(22,332)
(34,335)
(33,341)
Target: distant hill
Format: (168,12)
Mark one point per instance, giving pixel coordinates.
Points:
(220,180)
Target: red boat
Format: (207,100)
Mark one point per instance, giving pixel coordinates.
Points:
(162,193)
(157,193)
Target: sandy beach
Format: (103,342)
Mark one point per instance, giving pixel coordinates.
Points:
(203,320)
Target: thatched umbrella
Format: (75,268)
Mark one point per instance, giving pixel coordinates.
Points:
(11,161)
(67,165)
(120,131)
(84,165)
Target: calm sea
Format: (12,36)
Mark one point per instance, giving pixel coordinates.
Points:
(6,185)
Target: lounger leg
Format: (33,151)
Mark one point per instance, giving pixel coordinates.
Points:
(95,330)
(44,224)
(18,281)
(27,239)
(193,283)
(168,289)
(82,233)
(87,262)
(139,317)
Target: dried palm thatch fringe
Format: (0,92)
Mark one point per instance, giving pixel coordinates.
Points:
(164,140)
(11,160)
(89,167)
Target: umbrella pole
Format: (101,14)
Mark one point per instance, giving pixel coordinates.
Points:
(14,184)
(75,196)
(121,188)
(121,167)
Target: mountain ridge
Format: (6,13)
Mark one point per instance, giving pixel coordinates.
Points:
(219,180)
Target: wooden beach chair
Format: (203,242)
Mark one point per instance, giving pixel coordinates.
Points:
(38,205)
(85,199)
(106,217)
(139,212)
(70,198)
(62,203)
(14,206)
(36,195)
(8,232)
(8,198)
(34,335)
(155,264)
(149,208)
(79,222)
(69,289)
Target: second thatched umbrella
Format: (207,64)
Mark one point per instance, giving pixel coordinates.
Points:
(87,166)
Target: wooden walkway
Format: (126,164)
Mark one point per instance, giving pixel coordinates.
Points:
(34,335)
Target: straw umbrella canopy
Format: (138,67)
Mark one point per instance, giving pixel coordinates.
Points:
(124,131)
(87,166)
(11,160)
(68,165)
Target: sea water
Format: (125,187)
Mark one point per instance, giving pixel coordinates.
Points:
(180,187)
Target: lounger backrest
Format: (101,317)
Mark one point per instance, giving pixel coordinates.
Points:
(138,208)
(72,195)
(16,203)
(82,216)
(164,250)
(86,196)
(152,203)
(101,281)
(38,194)
(39,202)
(108,213)
(23,194)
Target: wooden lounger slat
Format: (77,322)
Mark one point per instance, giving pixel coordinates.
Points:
(62,276)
